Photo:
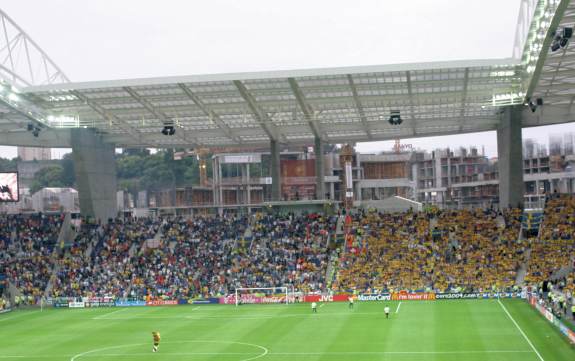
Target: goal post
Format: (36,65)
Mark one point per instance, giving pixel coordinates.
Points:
(274,295)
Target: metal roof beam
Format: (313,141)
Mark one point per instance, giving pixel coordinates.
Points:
(262,117)
(549,114)
(464,98)
(48,138)
(359,106)
(411,103)
(107,115)
(545,48)
(306,108)
(180,133)
(207,111)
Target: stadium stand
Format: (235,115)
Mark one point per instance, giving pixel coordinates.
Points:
(466,249)
(27,243)
(449,250)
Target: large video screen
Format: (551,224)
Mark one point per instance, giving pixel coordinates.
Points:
(9,187)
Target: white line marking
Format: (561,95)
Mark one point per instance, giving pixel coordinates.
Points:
(395,352)
(520,330)
(195,308)
(398,306)
(105,316)
(89,353)
(323,304)
(231,317)
(278,353)
(17,316)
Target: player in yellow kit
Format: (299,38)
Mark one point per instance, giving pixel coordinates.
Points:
(156,335)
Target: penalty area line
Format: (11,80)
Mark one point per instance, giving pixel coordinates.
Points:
(520,330)
(398,306)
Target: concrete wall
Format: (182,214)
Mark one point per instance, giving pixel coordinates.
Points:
(95,168)
(510,158)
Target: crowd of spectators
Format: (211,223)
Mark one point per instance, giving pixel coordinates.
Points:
(473,250)
(199,257)
(26,246)
(555,246)
(443,250)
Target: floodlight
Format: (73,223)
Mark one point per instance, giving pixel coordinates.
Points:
(395,118)
(556,45)
(30,127)
(567,33)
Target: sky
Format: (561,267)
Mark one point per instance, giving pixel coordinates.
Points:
(104,39)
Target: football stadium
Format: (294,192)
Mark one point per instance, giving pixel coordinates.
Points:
(234,216)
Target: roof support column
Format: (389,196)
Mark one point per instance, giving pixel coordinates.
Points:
(319,169)
(95,169)
(510,158)
(275,170)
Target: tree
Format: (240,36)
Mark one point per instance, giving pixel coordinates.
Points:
(47,177)
(8,165)
(68,170)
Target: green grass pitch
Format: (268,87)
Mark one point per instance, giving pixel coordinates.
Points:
(473,330)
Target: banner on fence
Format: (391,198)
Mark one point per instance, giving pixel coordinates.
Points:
(98,301)
(374,297)
(76,304)
(252,299)
(326,298)
(129,303)
(551,318)
(162,303)
(407,296)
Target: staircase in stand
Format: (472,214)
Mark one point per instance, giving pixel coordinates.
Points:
(66,237)
(531,222)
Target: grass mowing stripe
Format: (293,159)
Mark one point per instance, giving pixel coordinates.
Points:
(18,316)
(520,330)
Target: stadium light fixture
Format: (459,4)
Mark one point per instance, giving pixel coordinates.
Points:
(168,130)
(533,105)
(395,118)
(561,38)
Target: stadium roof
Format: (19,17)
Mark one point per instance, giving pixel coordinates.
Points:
(339,105)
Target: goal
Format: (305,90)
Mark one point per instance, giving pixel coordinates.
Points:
(274,295)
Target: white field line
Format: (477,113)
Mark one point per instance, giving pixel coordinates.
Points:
(398,306)
(520,330)
(231,317)
(2,319)
(303,354)
(95,352)
(195,308)
(323,304)
(105,316)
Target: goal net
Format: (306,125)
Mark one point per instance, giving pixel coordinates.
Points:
(264,295)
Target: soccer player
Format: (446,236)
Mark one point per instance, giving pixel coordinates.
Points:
(350,299)
(386,310)
(156,335)
(314,307)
